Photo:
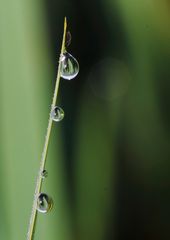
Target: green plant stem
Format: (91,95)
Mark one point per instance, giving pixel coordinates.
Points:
(33,218)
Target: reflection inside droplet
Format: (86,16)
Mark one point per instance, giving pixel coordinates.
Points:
(44,174)
(57,114)
(69,66)
(44,203)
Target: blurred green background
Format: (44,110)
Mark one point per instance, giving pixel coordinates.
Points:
(108,161)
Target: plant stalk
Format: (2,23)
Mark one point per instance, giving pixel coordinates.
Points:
(33,218)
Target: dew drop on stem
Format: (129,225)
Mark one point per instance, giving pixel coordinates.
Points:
(57,114)
(44,203)
(44,174)
(69,66)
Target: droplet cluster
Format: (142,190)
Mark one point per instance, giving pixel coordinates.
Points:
(69,68)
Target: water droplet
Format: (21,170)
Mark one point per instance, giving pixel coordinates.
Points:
(44,174)
(57,114)
(68,38)
(44,203)
(69,66)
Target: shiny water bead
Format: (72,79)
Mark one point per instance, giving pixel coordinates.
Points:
(57,114)
(44,203)
(44,174)
(69,66)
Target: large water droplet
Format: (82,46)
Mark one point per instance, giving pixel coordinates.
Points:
(69,66)
(44,203)
(44,174)
(57,114)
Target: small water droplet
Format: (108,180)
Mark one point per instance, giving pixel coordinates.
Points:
(44,203)
(57,114)
(44,174)
(69,66)
(68,38)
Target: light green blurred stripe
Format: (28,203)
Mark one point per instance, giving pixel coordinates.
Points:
(26,92)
